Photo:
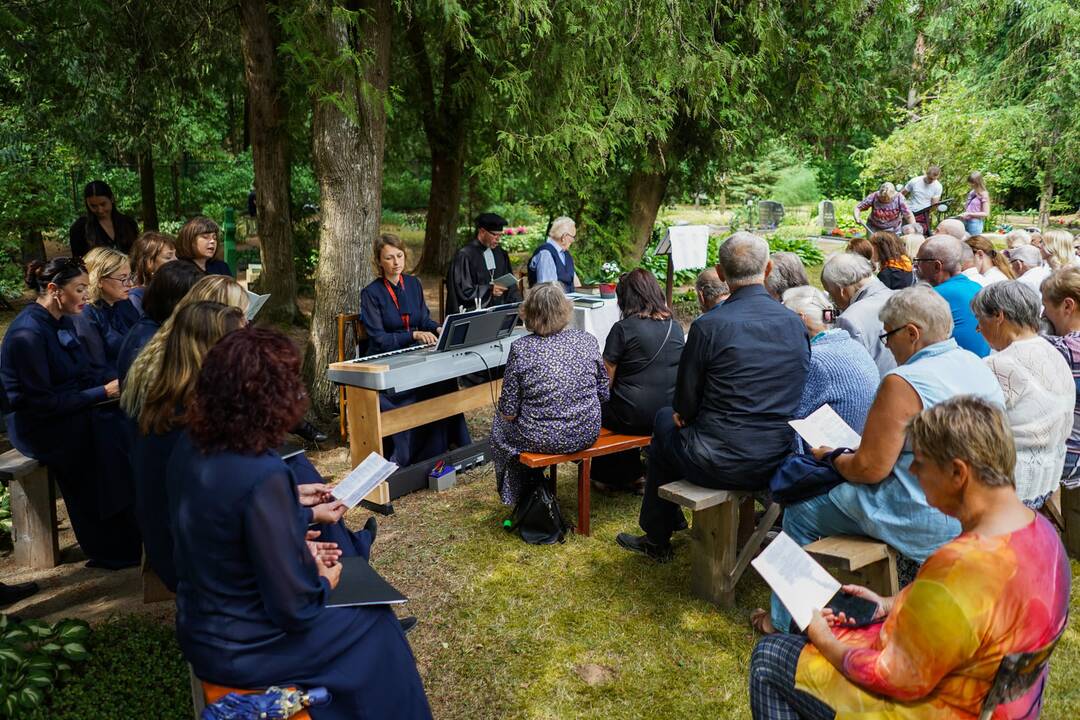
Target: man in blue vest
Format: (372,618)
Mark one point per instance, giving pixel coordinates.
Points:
(552,261)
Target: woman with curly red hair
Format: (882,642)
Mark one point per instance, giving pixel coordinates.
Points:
(251,597)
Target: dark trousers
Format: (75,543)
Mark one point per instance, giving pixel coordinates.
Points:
(668,462)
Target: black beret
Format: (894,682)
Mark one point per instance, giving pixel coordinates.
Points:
(490,222)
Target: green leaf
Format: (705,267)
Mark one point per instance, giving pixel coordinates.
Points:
(30,697)
(72,631)
(39,679)
(40,628)
(16,634)
(9,654)
(11,704)
(50,648)
(76,652)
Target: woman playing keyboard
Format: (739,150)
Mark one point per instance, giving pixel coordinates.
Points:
(395,316)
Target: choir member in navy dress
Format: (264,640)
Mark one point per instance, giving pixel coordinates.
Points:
(552,261)
(173,363)
(395,316)
(109,315)
(167,288)
(102,225)
(554,384)
(642,358)
(51,390)
(470,282)
(199,243)
(148,255)
(251,595)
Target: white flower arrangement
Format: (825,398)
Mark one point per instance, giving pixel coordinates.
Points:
(610,271)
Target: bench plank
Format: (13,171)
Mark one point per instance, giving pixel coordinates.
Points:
(693,496)
(849,552)
(14,465)
(609,442)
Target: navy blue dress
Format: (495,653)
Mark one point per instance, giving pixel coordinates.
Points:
(133,343)
(213,267)
(135,296)
(250,605)
(385,323)
(102,329)
(150,463)
(52,390)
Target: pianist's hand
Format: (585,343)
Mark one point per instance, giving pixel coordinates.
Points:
(313,494)
(332,573)
(424,338)
(329,512)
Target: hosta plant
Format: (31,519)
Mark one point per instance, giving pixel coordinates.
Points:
(35,656)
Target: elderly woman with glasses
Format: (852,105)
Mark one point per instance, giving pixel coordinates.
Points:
(1039,391)
(881,497)
(109,314)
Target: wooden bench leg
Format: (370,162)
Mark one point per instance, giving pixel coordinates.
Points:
(1070,514)
(198,697)
(713,545)
(584,473)
(33,511)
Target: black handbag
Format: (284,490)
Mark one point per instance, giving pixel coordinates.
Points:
(538,519)
(801,477)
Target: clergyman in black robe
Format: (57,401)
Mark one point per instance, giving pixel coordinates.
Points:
(476,266)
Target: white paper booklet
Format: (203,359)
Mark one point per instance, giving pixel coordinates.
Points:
(796,578)
(824,428)
(364,478)
(255,303)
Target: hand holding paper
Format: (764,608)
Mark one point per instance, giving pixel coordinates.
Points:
(824,428)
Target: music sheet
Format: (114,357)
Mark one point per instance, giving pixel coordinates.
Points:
(796,578)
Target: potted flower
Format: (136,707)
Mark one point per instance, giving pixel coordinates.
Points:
(609,275)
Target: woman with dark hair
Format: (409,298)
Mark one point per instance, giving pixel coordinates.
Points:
(251,597)
(861,246)
(148,255)
(894,266)
(642,359)
(102,225)
(51,391)
(198,242)
(168,286)
(395,316)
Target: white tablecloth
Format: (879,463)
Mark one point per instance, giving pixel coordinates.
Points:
(597,321)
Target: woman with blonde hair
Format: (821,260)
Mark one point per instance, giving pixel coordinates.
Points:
(976,205)
(1057,248)
(989,261)
(149,253)
(109,314)
(888,210)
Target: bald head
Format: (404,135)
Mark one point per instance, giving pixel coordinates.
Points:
(939,258)
(952,227)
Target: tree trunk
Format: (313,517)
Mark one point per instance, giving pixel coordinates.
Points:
(270,158)
(348,159)
(645,194)
(147,190)
(32,247)
(918,59)
(174,171)
(1046,198)
(444,202)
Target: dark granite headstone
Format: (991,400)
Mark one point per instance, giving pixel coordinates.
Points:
(827,215)
(770,214)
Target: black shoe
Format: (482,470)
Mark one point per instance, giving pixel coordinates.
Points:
(642,544)
(407,624)
(310,433)
(11,594)
(372,526)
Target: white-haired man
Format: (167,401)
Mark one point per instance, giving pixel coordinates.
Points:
(740,380)
(859,296)
(1029,267)
(552,261)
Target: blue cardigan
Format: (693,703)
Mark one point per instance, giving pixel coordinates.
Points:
(842,374)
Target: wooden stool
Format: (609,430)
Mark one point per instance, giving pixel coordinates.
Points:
(858,561)
(33,510)
(715,560)
(607,444)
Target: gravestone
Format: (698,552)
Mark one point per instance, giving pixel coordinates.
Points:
(827,216)
(770,214)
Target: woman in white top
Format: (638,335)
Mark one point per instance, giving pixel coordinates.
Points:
(1037,382)
(990,262)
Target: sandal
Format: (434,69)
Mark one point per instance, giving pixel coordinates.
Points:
(761,621)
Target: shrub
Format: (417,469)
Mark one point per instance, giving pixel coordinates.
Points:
(135,671)
(34,657)
(5,511)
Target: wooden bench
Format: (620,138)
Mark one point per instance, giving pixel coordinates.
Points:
(204,693)
(1070,517)
(715,559)
(33,510)
(608,443)
(858,561)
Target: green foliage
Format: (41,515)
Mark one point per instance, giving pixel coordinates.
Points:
(135,671)
(5,511)
(403,190)
(796,239)
(36,657)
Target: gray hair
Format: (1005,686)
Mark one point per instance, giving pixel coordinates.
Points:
(546,309)
(1017,301)
(787,272)
(809,301)
(743,256)
(920,306)
(561,226)
(845,269)
(710,285)
(945,249)
(967,255)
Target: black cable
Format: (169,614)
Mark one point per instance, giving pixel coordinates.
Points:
(491,379)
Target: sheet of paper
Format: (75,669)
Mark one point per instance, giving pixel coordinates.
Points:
(689,246)
(363,479)
(824,428)
(796,578)
(255,303)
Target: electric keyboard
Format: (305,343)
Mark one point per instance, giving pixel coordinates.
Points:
(410,368)
(388,353)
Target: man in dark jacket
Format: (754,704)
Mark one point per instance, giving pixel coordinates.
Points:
(740,380)
(475,268)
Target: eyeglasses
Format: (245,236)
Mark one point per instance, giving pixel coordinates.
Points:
(123,280)
(884,337)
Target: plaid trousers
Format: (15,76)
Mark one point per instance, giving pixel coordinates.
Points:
(772,682)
